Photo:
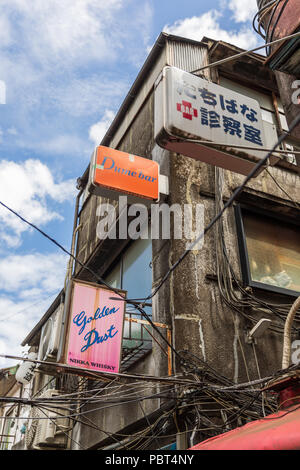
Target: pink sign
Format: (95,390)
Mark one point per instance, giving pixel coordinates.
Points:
(95,328)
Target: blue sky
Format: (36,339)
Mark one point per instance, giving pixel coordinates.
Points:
(67,66)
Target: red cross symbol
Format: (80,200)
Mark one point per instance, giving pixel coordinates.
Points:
(187,110)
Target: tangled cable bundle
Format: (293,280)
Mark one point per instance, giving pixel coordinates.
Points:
(267,19)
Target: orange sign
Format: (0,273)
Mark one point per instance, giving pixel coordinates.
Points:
(125,173)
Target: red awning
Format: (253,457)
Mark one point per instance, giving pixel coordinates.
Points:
(279,431)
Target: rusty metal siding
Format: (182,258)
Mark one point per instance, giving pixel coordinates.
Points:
(188,57)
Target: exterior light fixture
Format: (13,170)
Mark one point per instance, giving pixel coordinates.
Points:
(258,330)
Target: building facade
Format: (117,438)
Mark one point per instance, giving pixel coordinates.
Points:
(247,269)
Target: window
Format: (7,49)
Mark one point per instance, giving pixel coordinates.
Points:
(133,273)
(269,251)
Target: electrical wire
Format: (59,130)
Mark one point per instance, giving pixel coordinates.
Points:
(270,26)
(273,11)
(283,190)
(94,400)
(60,428)
(260,164)
(241,54)
(228,282)
(229,202)
(92,426)
(260,13)
(27,308)
(218,216)
(238,406)
(271,34)
(56,407)
(112,389)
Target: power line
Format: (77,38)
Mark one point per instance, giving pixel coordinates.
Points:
(27,308)
(87,268)
(44,234)
(262,12)
(239,404)
(40,408)
(68,368)
(241,54)
(139,306)
(282,189)
(236,193)
(219,215)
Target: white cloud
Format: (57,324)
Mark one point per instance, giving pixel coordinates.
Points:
(5,31)
(59,62)
(86,96)
(208,25)
(31,275)
(66,30)
(243,10)
(60,144)
(97,131)
(26,188)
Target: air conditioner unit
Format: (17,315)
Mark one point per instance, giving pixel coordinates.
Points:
(50,336)
(47,427)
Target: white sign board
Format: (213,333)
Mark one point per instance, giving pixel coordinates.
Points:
(25,372)
(187,106)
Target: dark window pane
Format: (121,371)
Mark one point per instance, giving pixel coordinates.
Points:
(137,272)
(114,277)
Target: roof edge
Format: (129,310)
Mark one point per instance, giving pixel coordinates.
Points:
(151,58)
(43,320)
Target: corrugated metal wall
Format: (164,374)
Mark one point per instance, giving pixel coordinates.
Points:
(187,56)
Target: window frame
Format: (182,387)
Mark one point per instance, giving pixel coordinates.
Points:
(243,249)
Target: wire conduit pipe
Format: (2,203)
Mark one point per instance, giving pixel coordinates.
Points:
(286,354)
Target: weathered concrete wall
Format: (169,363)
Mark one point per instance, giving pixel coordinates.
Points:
(203,323)
(285,85)
(190,300)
